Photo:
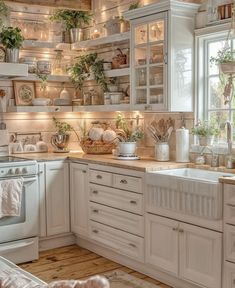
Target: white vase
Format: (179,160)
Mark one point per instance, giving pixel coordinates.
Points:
(127,148)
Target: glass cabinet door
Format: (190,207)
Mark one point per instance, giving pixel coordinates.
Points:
(149,62)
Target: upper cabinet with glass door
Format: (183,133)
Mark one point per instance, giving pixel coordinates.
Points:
(148,58)
(162,52)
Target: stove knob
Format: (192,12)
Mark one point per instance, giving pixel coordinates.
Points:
(24,171)
(10,172)
(17,171)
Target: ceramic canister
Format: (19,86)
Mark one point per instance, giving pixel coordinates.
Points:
(162,151)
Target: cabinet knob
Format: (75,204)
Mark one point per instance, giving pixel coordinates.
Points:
(99,177)
(95,192)
(95,211)
(83,171)
(95,231)
(181,230)
(133,202)
(123,181)
(175,229)
(132,245)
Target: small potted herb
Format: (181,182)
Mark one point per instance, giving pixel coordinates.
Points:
(206,132)
(74,20)
(225,59)
(12,39)
(88,67)
(128,135)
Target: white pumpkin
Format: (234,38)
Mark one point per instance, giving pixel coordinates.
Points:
(96,133)
(109,135)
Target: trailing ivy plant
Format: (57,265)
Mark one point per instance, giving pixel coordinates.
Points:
(88,67)
(11,37)
(72,18)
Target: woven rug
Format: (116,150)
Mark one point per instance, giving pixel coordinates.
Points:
(120,279)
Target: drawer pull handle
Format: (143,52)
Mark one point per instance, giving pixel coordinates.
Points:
(133,202)
(95,192)
(123,181)
(99,177)
(132,245)
(175,229)
(95,211)
(181,230)
(233,281)
(95,231)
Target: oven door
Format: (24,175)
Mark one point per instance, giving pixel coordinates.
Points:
(26,225)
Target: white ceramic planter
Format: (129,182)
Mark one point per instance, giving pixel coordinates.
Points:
(206,140)
(127,148)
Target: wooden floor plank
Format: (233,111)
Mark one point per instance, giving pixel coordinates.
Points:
(73,262)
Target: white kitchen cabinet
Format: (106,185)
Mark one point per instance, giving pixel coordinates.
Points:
(200,255)
(162,243)
(79,198)
(57,197)
(189,252)
(162,36)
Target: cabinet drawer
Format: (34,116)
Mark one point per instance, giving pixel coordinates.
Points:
(127,183)
(229,214)
(116,218)
(100,177)
(128,201)
(229,243)
(229,275)
(122,242)
(229,194)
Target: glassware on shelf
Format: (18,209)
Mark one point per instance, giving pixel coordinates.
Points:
(87,98)
(142,77)
(95,97)
(57,66)
(156,31)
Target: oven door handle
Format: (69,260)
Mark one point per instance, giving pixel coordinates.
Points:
(28,180)
(9,248)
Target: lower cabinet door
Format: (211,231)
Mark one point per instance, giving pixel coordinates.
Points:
(121,242)
(79,198)
(57,197)
(200,255)
(229,275)
(162,243)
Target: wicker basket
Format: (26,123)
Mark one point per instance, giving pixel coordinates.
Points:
(105,148)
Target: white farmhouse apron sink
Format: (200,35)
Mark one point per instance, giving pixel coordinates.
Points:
(190,191)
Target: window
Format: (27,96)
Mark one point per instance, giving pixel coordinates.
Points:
(210,83)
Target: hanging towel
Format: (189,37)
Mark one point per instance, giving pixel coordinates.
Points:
(10,197)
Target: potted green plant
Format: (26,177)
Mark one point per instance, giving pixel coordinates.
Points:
(60,140)
(4,14)
(205,132)
(74,20)
(88,67)
(128,135)
(225,59)
(12,39)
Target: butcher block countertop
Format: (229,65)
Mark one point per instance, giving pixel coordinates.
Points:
(144,164)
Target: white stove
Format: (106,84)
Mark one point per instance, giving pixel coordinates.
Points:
(19,235)
(11,166)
